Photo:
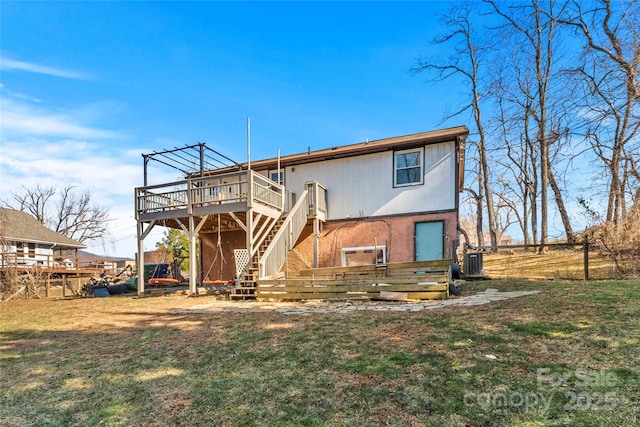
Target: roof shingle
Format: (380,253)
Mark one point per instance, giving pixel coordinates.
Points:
(22,227)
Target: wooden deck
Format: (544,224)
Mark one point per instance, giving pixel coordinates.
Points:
(80,271)
(402,281)
(231,195)
(48,264)
(47,270)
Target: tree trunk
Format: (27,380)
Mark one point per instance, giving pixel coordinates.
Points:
(566,222)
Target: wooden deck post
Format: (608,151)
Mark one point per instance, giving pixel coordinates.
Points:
(586,258)
(192,257)
(140,260)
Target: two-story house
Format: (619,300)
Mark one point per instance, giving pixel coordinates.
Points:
(385,201)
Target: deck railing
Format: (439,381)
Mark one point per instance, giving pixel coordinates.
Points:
(162,197)
(317,200)
(274,257)
(267,192)
(233,187)
(56,263)
(229,188)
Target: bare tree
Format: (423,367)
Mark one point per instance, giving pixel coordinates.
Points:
(518,158)
(477,200)
(70,214)
(76,217)
(465,62)
(34,201)
(610,73)
(531,31)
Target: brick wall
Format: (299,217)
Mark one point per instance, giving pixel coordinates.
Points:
(396,233)
(209,248)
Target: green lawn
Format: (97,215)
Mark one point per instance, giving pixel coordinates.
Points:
(566,356)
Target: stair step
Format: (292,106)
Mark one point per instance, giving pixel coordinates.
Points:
(244,292)
(241,296)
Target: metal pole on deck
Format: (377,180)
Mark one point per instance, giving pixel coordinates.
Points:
(249,220)
(281,182)
(146,162)
(249,143)
(201,159)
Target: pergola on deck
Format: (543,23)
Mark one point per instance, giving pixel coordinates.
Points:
(229,201)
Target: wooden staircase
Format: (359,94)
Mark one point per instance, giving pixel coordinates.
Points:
(247,284)
(271,253)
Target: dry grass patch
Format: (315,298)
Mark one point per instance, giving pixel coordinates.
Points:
(554,264)
(129,361)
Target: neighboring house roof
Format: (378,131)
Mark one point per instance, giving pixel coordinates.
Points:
(85,254)
(22,227)
(458,134)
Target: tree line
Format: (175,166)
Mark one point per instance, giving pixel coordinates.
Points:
(550,86)
(66,211)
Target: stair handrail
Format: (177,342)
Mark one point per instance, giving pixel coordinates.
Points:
(275,255)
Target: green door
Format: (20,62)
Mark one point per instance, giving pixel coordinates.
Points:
(429,240)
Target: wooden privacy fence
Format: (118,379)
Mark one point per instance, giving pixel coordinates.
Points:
(401,281)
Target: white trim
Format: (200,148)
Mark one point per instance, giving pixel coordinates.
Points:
(421,165)
(364,248)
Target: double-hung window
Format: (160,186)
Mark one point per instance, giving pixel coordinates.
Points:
(278,177)
(408,167)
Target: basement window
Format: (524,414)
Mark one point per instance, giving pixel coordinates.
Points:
(364,255)
(408,167)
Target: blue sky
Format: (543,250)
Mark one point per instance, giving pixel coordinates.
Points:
(87,87)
